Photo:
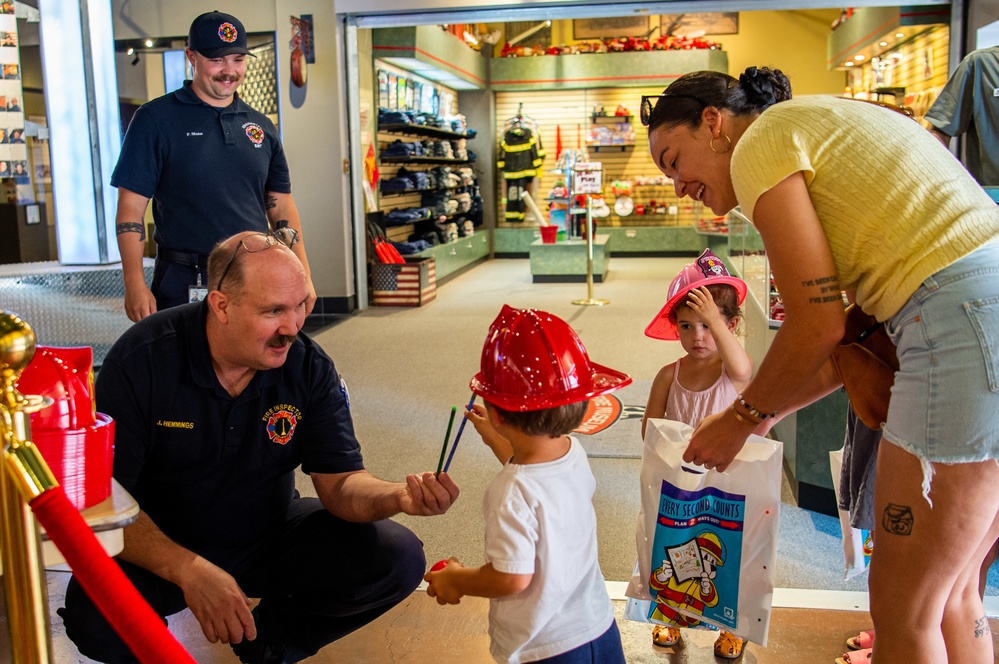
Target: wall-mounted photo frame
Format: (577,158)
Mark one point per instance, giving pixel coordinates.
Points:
(608,28)
(707,23)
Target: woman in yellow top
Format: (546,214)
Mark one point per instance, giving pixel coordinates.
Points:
(852,196)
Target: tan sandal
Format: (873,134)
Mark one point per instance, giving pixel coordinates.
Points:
(665,636)
(856,657)
(728,645)
(862,641)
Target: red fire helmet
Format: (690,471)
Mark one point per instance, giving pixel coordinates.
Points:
(706,270)
(533,360)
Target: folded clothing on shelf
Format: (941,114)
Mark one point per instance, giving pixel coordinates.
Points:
(387,117)
(398,216)
(397,184)
(400,148)
(411,247)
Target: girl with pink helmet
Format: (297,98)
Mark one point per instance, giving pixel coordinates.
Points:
(702,313)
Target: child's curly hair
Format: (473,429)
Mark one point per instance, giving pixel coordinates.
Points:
(725,297)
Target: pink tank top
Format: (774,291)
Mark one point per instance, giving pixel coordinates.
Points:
(683,405)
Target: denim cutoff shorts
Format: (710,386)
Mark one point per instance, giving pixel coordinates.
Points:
(945,401)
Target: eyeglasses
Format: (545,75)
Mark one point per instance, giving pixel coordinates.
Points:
(258,242)
(646,108)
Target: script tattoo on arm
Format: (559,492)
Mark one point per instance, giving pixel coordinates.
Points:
(132,227)
(828,288)
(982,627)
(270,202)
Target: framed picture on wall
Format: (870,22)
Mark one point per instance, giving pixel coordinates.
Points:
(607,28)
(708,23)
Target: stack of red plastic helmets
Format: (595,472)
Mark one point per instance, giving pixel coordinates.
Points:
(76,441)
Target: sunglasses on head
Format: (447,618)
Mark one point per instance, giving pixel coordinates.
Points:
(647,106)
(257,242)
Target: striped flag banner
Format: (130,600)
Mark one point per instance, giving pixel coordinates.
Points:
(404,285)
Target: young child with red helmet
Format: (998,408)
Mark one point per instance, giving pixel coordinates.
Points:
(702,313)
(548,597)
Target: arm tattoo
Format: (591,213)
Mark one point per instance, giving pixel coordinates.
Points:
(982,627)
(897,519)
(132,227)
(270,202)
(828,288)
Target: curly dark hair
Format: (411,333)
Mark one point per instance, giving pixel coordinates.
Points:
(756,89)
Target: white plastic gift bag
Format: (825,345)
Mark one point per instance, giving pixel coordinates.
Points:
(857,543)
(707,541)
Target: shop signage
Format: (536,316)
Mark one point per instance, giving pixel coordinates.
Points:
(589,177)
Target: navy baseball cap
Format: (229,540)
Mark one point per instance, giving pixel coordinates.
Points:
(216,34)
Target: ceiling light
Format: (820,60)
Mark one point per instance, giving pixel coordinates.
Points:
(130,51)
(883,44)
(858,58)
(848,63)
(899,35)
(149,43)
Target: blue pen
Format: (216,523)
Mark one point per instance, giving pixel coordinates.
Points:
(461,428)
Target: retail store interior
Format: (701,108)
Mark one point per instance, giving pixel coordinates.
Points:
(438,118)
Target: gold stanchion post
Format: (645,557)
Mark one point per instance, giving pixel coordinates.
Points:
(590,300)
(21,469)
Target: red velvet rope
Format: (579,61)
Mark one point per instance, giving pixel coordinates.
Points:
(142,630)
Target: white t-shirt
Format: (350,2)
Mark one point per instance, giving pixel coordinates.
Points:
(540,521)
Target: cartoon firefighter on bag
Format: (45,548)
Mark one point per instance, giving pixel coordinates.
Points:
(688,584)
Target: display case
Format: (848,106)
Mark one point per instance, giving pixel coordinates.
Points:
(749,260)
(811,433)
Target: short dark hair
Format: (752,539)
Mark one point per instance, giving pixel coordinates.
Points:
(756,89)
(725,297)
(554,422)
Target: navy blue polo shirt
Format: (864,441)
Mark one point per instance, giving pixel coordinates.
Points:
(213,472)
(207,169)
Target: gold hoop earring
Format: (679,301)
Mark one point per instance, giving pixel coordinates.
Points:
(728,144)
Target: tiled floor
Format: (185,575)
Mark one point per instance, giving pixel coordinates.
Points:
(419,631)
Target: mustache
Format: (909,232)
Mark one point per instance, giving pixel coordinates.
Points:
(281,340)
(225,79)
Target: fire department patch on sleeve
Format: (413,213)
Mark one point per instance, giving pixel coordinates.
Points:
(281,421)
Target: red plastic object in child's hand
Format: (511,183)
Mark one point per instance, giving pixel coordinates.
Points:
(439,565)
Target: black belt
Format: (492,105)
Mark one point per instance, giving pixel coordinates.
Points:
(186,258)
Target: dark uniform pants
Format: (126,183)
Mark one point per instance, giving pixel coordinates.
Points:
(171,281)
(320,579)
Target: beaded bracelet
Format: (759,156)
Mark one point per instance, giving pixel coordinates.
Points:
(752,411)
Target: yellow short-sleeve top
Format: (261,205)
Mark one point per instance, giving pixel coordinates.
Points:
(896,206)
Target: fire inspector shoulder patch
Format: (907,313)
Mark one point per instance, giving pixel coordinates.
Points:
(280,422)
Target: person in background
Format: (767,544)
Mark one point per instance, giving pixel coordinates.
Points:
(548,597)
(921,251)
(216,405)
(212,166)
(969,104)
(702,313)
